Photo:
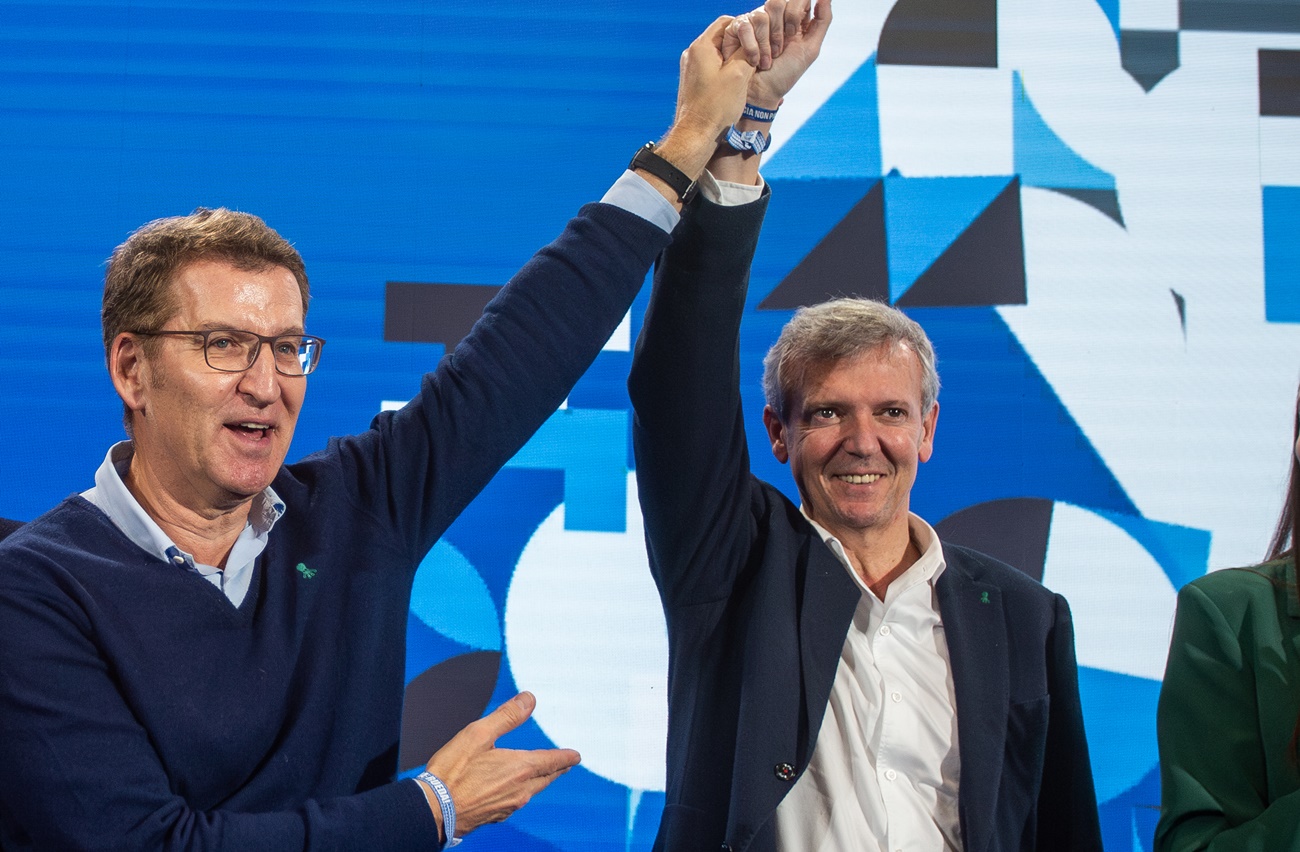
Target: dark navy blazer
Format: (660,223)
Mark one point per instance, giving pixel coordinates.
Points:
(758,607)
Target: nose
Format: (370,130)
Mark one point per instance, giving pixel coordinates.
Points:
(260,382)
(860,437)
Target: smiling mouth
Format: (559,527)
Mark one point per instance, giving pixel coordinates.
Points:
(858,478)
(256,430)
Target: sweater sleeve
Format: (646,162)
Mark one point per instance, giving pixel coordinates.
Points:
(415,470)
(80,772)
(691,455)
(1213,758)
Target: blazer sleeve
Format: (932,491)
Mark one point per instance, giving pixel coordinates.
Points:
(1067,800)
(1213,758)
(691,456)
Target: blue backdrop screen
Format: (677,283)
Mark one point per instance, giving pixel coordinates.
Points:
(1091,206)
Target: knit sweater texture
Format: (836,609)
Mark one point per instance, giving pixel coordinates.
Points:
(141,710)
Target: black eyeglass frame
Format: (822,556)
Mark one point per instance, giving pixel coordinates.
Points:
(316,344)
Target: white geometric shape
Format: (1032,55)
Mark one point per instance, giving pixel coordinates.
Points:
(1279,144)
(621,339)
(585,633)
(851,41)
(1121,600)
(945,121)
(1149,15)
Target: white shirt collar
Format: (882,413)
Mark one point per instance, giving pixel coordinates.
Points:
(111,495)
(927,569)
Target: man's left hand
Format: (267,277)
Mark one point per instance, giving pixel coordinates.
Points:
(780,39)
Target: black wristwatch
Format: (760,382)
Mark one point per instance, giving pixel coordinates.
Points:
(648,161)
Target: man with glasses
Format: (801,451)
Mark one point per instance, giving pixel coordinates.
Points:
(205,649)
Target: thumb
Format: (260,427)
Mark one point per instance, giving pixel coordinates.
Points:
(510,715)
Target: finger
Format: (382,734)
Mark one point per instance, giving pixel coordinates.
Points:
(742,31)
(510,715)
(547,762)
(714,33)
(796,17)
(776,13)
(762,36)
(730,42)
(820,21)
(814,32)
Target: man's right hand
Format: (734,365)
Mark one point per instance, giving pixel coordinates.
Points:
(488,784)
(710,95)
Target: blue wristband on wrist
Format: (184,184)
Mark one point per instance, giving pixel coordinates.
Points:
(440,790)
(749,140)
(755,113)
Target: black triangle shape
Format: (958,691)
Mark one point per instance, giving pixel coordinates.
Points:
(851,260)
(1014,530)
(940,32)
(1104,201)
(984,266)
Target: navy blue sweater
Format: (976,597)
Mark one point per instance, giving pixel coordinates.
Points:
(140,710)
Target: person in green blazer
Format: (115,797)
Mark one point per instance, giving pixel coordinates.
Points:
(1229,710)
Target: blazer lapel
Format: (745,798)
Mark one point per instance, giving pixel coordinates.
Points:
(829,600)
(975,628)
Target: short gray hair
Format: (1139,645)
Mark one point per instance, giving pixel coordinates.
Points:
(836,330)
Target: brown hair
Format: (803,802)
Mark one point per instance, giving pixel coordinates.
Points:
(1285,537)
(138,292)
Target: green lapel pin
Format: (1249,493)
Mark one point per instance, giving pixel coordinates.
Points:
(984,596)
(308,573)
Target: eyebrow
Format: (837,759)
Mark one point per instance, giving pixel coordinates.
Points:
(225,326)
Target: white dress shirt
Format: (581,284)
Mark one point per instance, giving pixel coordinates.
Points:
(883,775)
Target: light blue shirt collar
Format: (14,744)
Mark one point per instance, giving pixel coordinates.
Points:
(114,499)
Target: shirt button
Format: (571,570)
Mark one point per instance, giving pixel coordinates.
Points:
(890,774)
(897,696)
(884,630)
(784,771)
(178,560)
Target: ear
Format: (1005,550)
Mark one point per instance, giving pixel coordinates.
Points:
(927,437)
(129,370)
(776,434)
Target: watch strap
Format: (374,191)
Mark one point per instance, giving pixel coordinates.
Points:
(649,162)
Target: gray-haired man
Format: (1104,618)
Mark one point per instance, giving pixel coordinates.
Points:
(838,677)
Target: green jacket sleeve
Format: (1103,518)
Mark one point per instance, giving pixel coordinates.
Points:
(1225,721)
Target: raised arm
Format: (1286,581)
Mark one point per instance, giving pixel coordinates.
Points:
(425,463)
(689,436)
(79,769)
(782,38)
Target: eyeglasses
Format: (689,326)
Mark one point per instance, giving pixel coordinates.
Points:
(232,351)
